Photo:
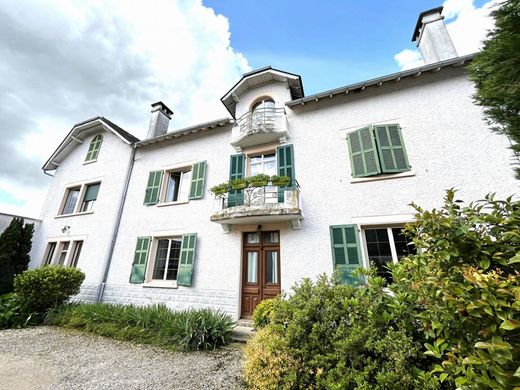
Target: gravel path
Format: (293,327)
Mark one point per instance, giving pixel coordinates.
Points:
(54,358)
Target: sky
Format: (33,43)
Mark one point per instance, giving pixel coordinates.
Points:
(64,61)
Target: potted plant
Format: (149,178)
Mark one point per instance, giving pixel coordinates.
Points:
(280,181)
(259,180)
(220,189)
(238,184)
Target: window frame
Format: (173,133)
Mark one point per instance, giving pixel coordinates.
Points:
(166,181)
(78,207)
(94,148)
(149,281)
(55,247)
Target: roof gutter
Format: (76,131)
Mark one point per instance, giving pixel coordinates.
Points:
(101,289)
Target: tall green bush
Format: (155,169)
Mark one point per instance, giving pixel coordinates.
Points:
(15,246)
(463,288)
(47,287)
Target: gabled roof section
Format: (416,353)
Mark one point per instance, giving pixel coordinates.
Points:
(82,130)
(380,81)
(185,131)
(258,77)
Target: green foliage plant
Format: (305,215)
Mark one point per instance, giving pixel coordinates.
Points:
(259,180)
(263,311)
(238,184)
(463,289)
(280,181)
(45,288)
(220,189)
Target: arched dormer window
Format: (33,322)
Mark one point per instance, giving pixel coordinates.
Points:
(265,103)
(94,147)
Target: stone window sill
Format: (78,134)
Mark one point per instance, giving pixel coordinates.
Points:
(160,284)
(383,177)
(172,203)
(89,162)
(74,214)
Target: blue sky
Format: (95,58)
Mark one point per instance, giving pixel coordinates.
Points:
(66,61)
(329,43)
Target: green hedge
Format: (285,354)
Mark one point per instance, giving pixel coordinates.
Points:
(157,324)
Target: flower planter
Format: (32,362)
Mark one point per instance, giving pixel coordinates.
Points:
(259,183)
(240,186)
(221,191)
(280,183)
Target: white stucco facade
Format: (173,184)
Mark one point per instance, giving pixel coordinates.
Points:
(448,145)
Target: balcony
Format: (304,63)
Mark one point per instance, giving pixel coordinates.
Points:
(257,205)
(261,126)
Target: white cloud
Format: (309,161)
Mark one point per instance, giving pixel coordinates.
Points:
(467,25)
(64,61)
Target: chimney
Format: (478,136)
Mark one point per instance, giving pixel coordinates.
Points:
(432,37)
(159,120)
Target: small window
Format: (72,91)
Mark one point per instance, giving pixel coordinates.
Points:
(64,250)
(78,245)
(90,197)
(49,253)
(263,163)
(71,200)
(95,146)
(265,104)
(166,263)
(385,246)
(178,186)
(377,149)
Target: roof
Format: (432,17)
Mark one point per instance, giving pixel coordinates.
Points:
(379,81)
(258,77)
(418,25)
(80,131)
(185,131)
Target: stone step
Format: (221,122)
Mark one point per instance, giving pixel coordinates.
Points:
(241,334)
(244,322)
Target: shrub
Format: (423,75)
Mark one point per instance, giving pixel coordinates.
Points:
(464,289)
(13,313)
(335,336)
(157,324)
(47,287)
(263,311)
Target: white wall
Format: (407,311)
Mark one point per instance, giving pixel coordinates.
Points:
(96,228)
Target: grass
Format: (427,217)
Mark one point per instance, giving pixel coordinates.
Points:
(157,325)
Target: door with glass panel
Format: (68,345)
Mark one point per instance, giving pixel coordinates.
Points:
(263,164)
(261,269)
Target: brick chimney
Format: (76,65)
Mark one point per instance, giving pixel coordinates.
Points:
(432,37)
(159,120)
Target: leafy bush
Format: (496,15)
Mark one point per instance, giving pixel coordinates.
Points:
(336,336)
(464,289)
(47,287)
(263,311)
(157,324)
(13,313)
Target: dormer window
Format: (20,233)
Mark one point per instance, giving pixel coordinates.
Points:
(265,104)
(93,150)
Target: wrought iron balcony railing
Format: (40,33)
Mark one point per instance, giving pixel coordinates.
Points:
(262,120)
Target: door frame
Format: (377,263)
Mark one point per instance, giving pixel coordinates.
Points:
(261,249)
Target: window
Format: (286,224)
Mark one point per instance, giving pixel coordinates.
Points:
(49,254)
(377,149)
(90,197)
(386,245)
(166,263)
(64,250)
(72,199)
(178,186)
(88,192)
(263,163)
(78,245)
(93,149)
(264,103)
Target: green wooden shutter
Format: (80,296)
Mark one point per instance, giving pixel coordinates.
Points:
(285,157)
(346,253)
(153,188)
(364,160)
(237,168)
(187,259)
(140,259)
(390,145)
(198,175)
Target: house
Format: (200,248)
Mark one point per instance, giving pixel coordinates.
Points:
(6,218)
(138,218)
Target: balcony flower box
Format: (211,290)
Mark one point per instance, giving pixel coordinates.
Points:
(259,180)
(280,181)
(239,184)
(220,189)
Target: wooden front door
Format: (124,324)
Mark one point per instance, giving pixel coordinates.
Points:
(261,269)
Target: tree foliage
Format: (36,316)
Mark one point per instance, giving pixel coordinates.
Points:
(15,246)
(496,73)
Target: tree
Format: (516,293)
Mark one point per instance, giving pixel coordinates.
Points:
(496,74)
(15,246)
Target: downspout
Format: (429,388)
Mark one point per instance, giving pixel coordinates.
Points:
(101,290)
